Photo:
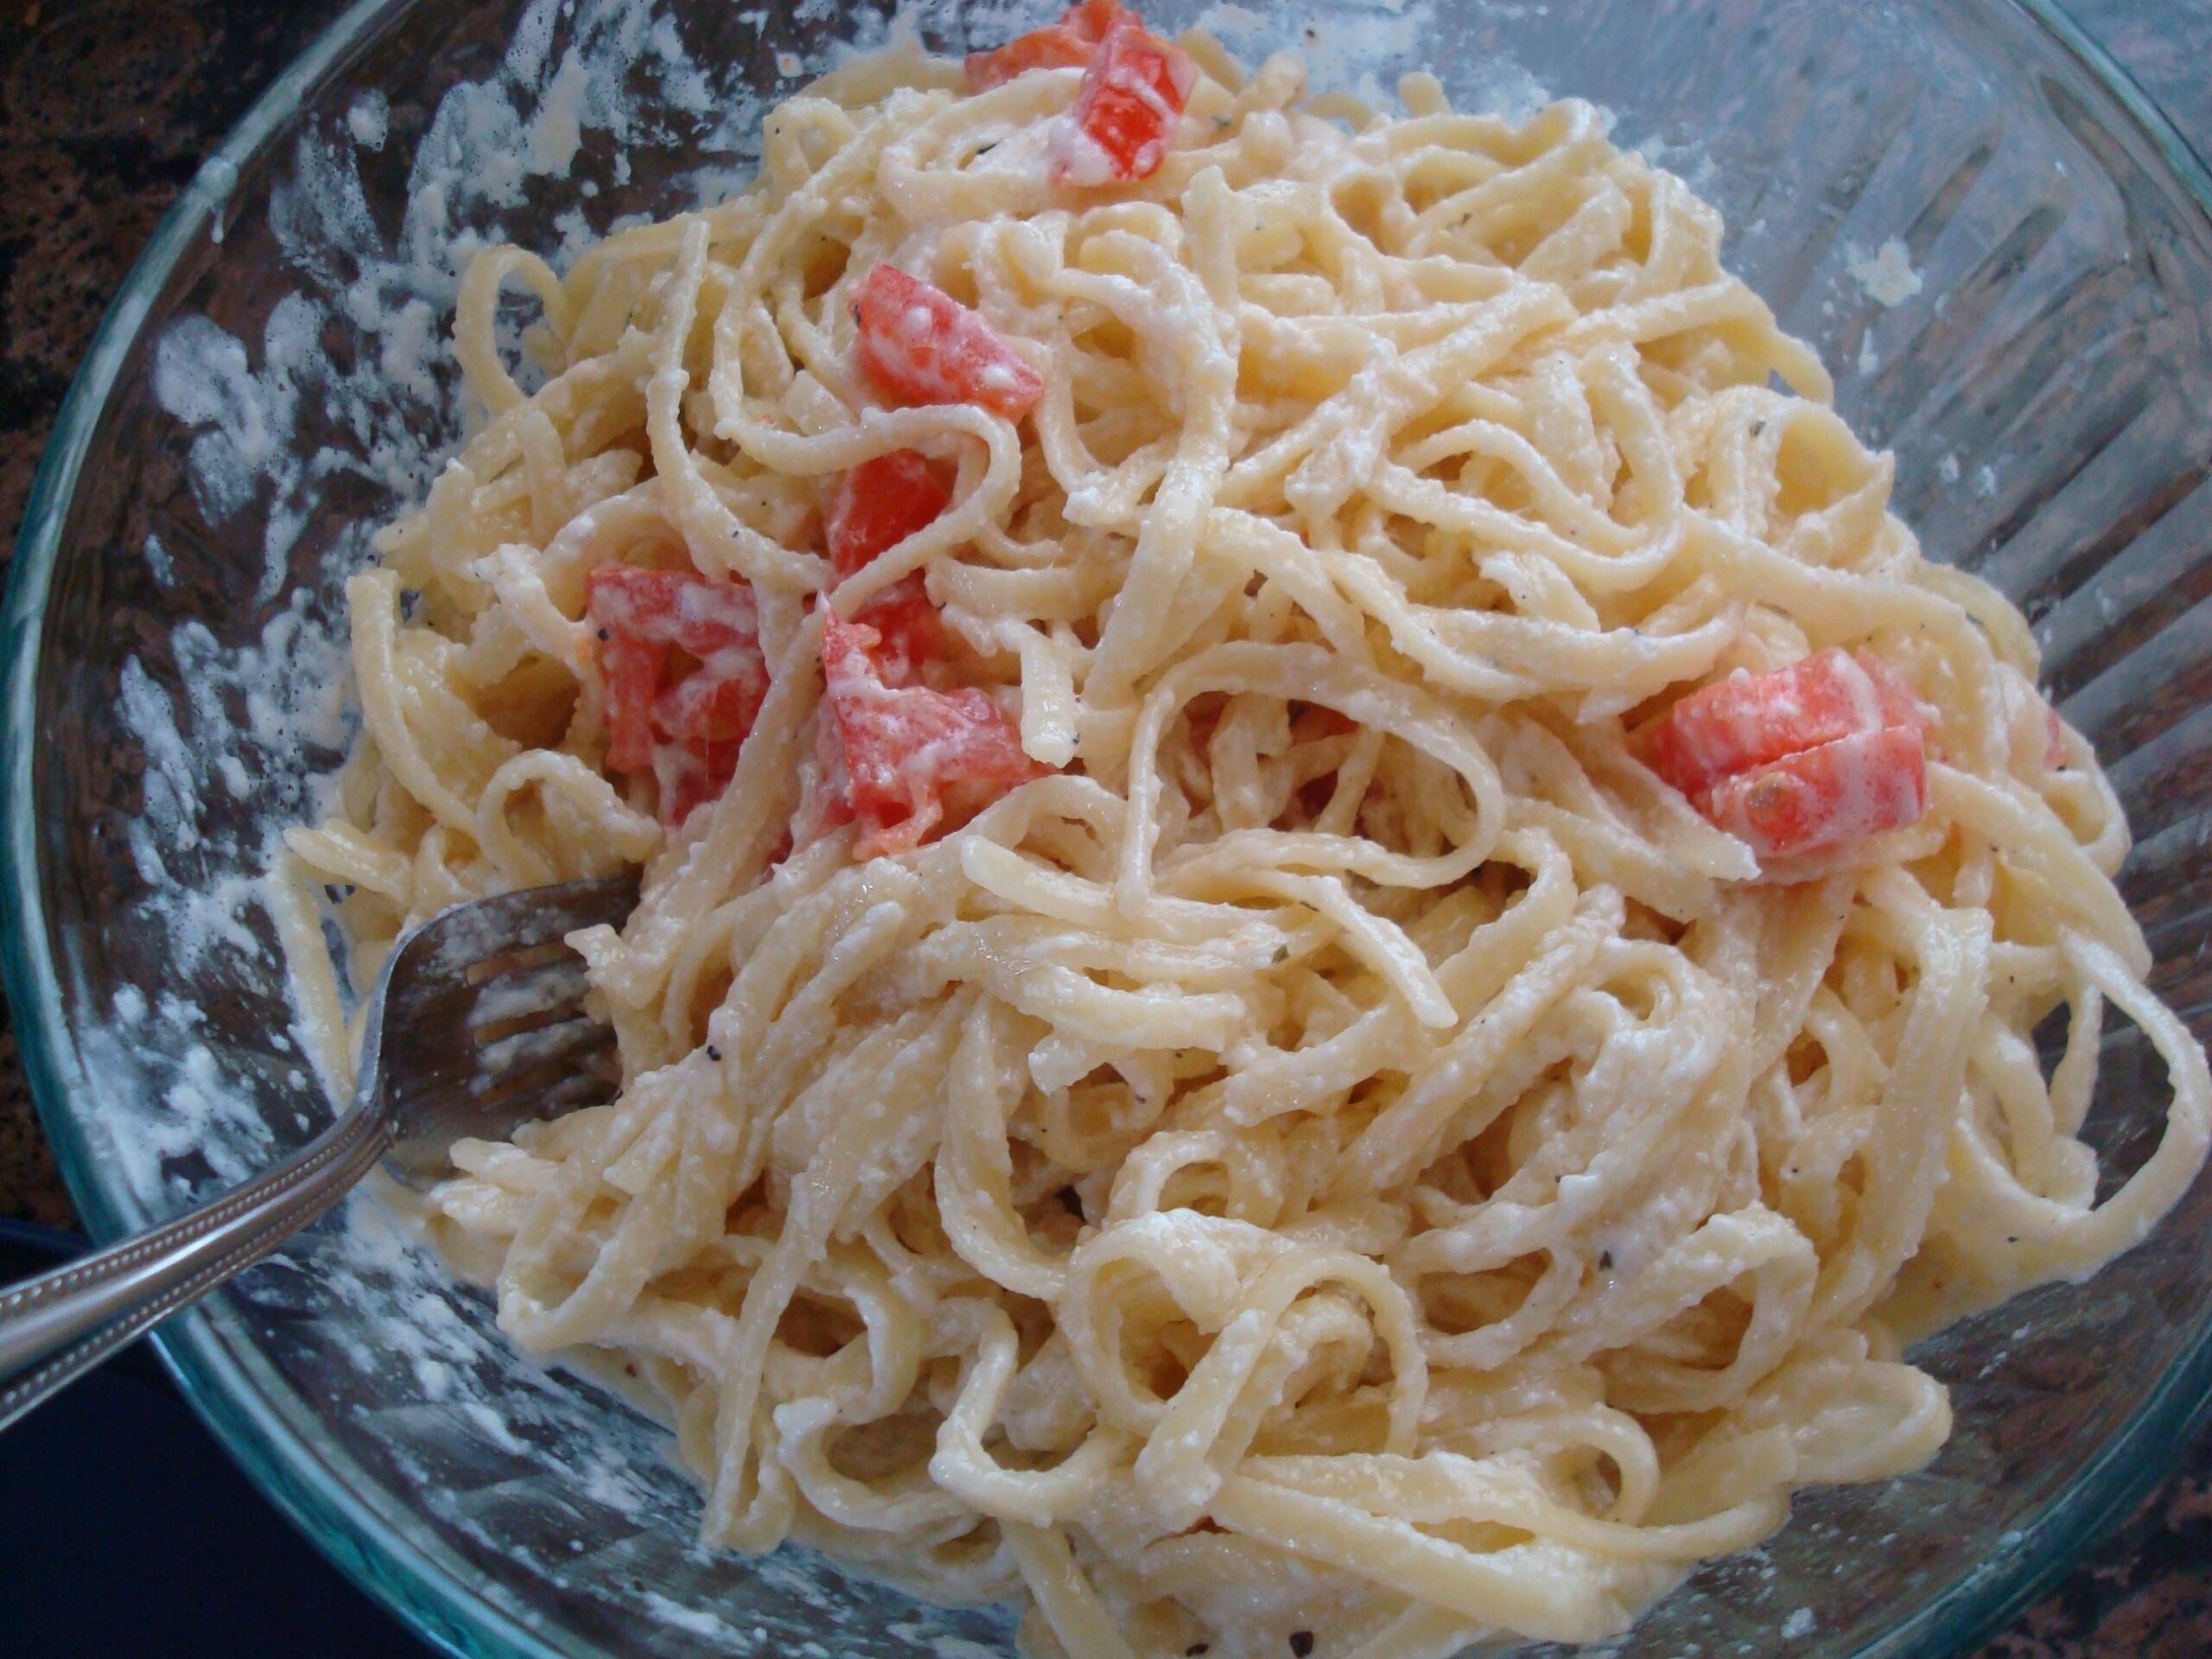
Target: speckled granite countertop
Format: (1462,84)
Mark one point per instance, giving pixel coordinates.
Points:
(106,110)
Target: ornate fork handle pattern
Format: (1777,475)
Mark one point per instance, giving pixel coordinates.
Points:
(448,1082)
(59,1325)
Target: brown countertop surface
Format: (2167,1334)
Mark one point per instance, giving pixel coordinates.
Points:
(105,111)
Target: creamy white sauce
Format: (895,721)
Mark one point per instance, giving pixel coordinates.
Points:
(1886,276)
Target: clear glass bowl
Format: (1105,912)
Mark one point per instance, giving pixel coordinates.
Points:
(260,397)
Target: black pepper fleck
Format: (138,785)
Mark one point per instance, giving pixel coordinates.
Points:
(1605,1260)
(714,1054)
(1195,1650)
(603,634)
(1302,1643)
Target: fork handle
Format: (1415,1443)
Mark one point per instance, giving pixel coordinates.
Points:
(59,1325)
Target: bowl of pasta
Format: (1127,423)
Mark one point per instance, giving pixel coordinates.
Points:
(1421,792)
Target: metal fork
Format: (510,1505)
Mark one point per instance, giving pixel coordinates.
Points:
(476,1026)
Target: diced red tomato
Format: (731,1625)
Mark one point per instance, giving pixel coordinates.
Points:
(1067,44)
(1825,796)
(1125,113)
(913,631)
(713,704)
(630,668)
(919,344)
(918,761)
(1748,719)
(879,504)
(679,657)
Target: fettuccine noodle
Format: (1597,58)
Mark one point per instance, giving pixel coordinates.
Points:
(1346,1150)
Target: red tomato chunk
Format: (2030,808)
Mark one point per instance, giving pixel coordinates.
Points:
(679,657)
(916,761)
(1826,752)
(1748,719)
(1826,796)
(919,344)
(879,504)
(913,633)
(1125,116)
(1067,44)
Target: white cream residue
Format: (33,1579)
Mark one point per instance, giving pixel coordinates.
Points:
(370,120)
(202,377)
(1886,276)
(699,1624)
(556,132)
(159,561)
(1073,155)
(254,719)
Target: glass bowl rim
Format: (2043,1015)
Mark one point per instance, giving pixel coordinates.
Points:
(433,1595)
